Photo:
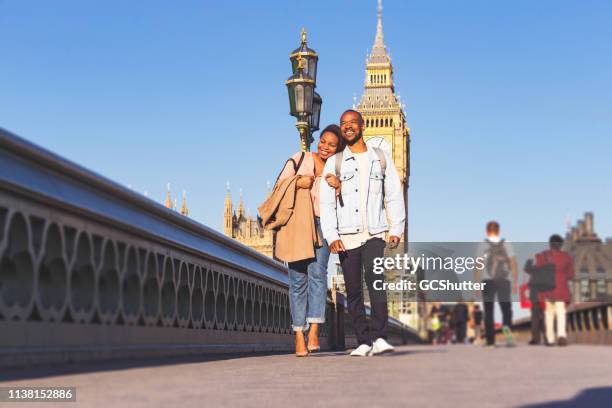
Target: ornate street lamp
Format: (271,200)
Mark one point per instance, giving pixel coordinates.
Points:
(316,113)
(304,102)
(301,89)
(309,56)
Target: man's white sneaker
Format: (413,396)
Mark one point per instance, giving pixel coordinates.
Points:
(381,346)
(362,351)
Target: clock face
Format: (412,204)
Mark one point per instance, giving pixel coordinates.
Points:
(380,142)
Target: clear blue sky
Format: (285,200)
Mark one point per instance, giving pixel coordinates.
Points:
(510,103)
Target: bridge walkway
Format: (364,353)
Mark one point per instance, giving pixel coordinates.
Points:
(421,376)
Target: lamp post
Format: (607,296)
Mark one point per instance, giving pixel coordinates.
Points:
(304,102)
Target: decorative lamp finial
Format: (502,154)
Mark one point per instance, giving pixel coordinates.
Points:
(303,35)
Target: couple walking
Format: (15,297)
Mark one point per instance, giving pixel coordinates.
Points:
(342,199)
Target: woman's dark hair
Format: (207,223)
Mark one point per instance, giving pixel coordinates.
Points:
(335,129)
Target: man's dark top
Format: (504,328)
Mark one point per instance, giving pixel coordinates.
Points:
(477,317)
(461,313)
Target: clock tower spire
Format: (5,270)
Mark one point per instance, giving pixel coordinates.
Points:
(386,128)
(382,110)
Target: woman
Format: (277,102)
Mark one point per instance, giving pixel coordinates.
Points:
(308,278)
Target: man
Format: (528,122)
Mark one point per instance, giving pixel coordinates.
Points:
(537,322)
(460,318)
(477,321)
(500,278)
(354,224)
(556,299)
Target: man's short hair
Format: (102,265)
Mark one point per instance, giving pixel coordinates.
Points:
(492,226)
(353,111)
(555,241)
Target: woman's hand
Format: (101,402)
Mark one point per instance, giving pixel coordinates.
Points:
(336,247)
(333,181)
(305,182)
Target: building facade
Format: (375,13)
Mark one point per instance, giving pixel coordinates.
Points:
(246,228)
(592,262)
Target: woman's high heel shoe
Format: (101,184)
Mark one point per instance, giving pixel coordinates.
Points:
(314,333)
(299,339)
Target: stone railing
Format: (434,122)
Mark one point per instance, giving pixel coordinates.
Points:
(90,270)
(587,323)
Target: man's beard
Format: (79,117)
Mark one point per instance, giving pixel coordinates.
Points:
(356,139)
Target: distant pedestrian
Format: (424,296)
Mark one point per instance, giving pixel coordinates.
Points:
(460,320)
(556,299)
(477,320)
(443,333)
(500,278)
(434,324)
(537,307)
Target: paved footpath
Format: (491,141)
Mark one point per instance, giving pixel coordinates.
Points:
(419,376)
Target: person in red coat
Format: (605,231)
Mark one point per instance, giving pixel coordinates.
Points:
(556,299)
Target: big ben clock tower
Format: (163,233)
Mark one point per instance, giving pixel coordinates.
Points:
(381,109)
(385,127)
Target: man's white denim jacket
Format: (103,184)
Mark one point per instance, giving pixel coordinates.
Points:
(337,220)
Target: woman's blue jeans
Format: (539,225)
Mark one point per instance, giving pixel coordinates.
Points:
(308,287)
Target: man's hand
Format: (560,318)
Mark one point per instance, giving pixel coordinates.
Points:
(393,242)
(336,247)
(305,182)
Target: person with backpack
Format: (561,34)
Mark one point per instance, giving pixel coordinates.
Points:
(307,277)
(500,278)
(370,204)
(551,273)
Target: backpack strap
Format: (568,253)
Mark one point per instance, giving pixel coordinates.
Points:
(338,165)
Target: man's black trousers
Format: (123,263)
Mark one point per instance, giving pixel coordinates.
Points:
(493,288)
(356,263)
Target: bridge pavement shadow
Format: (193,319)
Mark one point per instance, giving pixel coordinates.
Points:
(589,398)
(43,371)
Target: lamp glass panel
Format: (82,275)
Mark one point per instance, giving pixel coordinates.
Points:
(312,68)
(291,92)
(308,90)
(299,99)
